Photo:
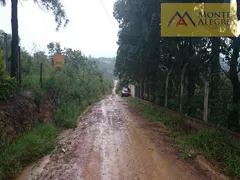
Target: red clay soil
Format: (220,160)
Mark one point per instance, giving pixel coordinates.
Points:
(47,108)
(112,143)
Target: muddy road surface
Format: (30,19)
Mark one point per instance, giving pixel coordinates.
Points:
(113,143)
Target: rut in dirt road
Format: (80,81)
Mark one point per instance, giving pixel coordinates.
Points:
(110,144)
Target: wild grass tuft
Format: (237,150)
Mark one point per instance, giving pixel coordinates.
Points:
(26,149)
(213,144)
(67,113)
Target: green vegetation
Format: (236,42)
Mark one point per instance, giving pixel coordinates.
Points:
(66,114)
(154,113)
(7,84)
(213,144)
(73,87)
(199,74)
(26,149)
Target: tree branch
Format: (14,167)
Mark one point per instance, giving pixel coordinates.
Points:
(21,2)
(40,6)
(3,2)
(184,67)
(225,73)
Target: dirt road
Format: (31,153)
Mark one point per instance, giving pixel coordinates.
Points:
(112,143)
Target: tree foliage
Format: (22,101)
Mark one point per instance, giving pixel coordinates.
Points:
(53,6)
(79,83)
(145,59)
(72,87)
(7,84)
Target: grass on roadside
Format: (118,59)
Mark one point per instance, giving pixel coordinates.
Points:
(213,144)
(32,145)
(154,113)
(66,114)
(26,149)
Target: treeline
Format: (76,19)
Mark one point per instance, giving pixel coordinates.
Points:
(196,76)
(72,87)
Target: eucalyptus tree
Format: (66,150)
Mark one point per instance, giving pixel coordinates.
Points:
(53,6)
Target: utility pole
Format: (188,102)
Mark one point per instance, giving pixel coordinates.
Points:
(5,51)
(14,44)
(19,67)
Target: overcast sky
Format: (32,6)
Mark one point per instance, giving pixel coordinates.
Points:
(89,30)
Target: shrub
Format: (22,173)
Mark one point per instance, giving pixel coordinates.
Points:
(7,84)
(67,113)
(7,87)
(73,90)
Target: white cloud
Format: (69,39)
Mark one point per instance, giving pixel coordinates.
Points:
(89,29)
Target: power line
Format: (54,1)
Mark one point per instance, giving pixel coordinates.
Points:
(108,14)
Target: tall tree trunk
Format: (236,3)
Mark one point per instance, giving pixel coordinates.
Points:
(157,89)
(135,90)
(191,79)
(166,88)
(182,88)
(191,89)
(141,89)
(150,91)
(238,9)
(153,92)
(144,90)
(206,94)
(233,118)
(14,51)
(5,48)
(215,77)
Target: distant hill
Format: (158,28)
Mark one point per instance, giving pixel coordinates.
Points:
(106,66)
